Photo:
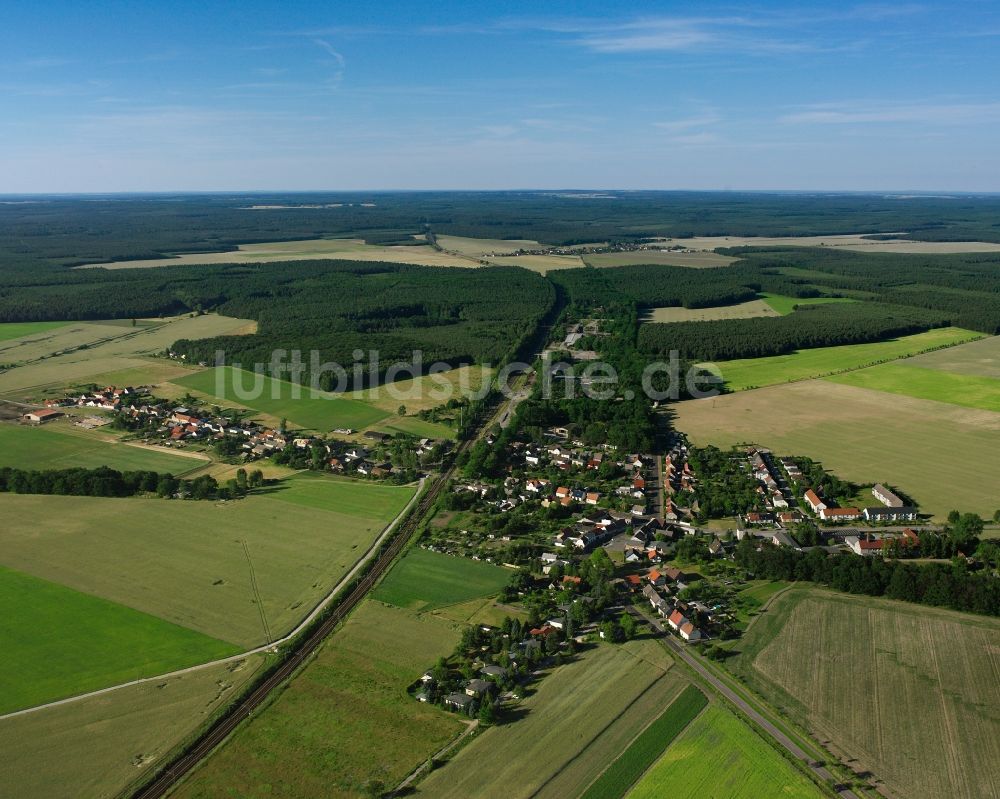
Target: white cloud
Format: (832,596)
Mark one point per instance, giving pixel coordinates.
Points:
(891,112)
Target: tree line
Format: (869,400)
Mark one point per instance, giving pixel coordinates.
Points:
(107,482)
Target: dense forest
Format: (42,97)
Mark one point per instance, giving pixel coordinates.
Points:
(809,326)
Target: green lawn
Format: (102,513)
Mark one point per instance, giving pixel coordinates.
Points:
(785,305)
(321,412)
(969,391)
(824,361)
(46,447)
(423,580)
(9,330)
(720,756)
(412,426)
(59,642)
(631,764)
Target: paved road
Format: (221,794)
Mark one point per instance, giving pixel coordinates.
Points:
(319,608)
(745,708)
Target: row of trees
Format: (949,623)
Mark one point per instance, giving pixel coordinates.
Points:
(107,482)
(951,585)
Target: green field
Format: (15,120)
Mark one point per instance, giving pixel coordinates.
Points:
(9,330)
(59,642)
(854,671)
(277,398)
(97,746)
(425,580)
(185,562)
(412,426)
(344,720)
(47,447)
(864,436)
(823,361)
(582,717)
(631,764)
(785,305)
(720,756)
(969,391)
(359,498)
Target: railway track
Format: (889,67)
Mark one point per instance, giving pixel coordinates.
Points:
(244,708)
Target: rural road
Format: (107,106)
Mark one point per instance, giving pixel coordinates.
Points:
(745,708)
(320,606)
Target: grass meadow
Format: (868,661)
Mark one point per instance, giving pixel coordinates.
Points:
(95,747)
(51,447)
(425,580)
(718,755)
(9,330)
(277,398)
(785,305)
(969,391)
(185,561)
(851,670)
(344,721)
(822,361)
(864,436)
(59,642)
(631,764)
(581,718)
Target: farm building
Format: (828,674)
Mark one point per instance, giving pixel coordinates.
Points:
(40,417)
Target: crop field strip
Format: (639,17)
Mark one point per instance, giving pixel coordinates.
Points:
(862,435)
(606,696)
(901,657)
(743,310)
(631,764)
(718,755)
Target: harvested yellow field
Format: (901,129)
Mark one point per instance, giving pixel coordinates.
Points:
(865,436)
(850,241)
(743,310)
(120,351)
(695,260)
(908,691)
(301,250)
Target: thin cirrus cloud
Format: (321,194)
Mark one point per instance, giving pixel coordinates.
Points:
(895,113)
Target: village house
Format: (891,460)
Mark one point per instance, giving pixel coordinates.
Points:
(689,632)
(814,502)
(457,701)
(864,545)
(839,514)
(890,514)
(886,497)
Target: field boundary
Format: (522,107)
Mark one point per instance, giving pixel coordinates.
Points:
(268,648)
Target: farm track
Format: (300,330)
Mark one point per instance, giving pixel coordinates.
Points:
(244,708)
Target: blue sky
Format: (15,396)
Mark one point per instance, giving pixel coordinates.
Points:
(143,96)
